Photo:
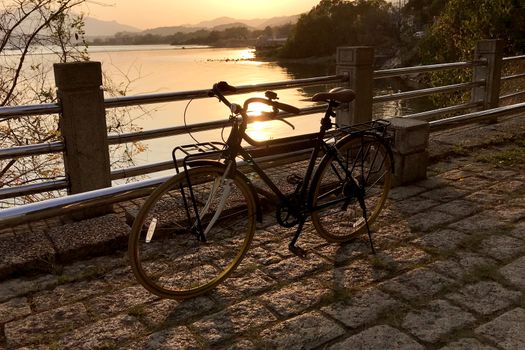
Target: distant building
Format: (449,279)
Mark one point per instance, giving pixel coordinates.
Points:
(264,42)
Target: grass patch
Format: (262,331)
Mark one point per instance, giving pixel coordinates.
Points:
(439,253)
(89,273)
(484,272)
(137,311)
(472,243)
(522,300)
(460,150)
(383,263)
(108,345)
(337,295)
(393,316)
(54,346)
(508,156)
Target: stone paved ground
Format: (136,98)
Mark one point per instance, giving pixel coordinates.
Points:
(450,274)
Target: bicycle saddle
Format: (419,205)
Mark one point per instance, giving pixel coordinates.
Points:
(338,94)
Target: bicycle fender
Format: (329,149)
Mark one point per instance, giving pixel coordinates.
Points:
(216,163)
(379,139)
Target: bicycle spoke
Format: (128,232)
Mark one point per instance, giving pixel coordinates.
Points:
(336,209)
(173,261)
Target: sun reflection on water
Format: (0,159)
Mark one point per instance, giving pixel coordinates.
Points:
(260,131)
(247,54)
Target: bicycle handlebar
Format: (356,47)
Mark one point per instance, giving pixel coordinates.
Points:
(287,108)
(222,87)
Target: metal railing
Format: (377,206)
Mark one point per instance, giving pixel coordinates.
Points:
(213,125)
(112,195)
(447,123)
(513,77)
(432,114)
(115,139)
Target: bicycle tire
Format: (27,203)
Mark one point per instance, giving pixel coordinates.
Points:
(368,159)
(171,261)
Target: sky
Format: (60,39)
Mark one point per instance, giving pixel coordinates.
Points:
(146,14)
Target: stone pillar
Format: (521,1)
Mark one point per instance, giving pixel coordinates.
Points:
(492,52)
(410,143)
(83,125)
(358,64)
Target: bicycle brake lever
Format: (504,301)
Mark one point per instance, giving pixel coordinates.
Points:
(286,122)
(225,87)
(271,116)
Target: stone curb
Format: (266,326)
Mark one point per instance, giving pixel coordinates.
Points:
(38,251)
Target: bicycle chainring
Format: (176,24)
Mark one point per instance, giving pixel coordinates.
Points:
(286,217)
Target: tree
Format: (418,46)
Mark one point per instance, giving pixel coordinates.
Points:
(423,12)
(33,35)
(26,25)
(462,23)
(453,36)
(334,23)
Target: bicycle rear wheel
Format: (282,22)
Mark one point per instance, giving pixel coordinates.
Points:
(167,254)
(334,195)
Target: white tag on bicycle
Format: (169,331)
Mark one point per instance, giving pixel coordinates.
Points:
(151,230)
(359,222)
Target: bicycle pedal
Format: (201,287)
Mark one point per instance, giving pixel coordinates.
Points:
(300,252)
(294,179)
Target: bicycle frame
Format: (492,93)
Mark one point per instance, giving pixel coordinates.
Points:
(348,170)
(297,204)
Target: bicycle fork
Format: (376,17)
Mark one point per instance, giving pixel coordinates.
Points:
(362,204)
(359,190)
(224,182)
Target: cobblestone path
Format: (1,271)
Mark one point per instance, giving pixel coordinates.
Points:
(449,274)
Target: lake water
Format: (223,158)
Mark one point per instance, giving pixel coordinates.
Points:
(155,69)
(164,68)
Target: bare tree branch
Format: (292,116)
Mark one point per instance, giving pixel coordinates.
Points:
(65,6)
(24,17)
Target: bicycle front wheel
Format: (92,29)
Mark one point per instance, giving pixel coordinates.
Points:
(187,239)
(360,172)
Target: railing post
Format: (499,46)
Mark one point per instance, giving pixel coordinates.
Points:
(83,125)
(410,145)
(492,52)
(358,64)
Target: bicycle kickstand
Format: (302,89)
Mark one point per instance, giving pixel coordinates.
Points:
(300,252)
(362,204)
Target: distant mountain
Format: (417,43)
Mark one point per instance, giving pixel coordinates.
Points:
(214,22)
(278,21)
(96,27)
(231,25)
(164,31)
(258,23)
(170,30)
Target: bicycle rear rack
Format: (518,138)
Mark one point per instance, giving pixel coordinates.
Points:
(378,126)
(196,150)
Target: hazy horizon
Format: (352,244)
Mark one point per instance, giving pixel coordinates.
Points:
(161,13)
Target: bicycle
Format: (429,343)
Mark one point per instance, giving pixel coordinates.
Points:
(195,229)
